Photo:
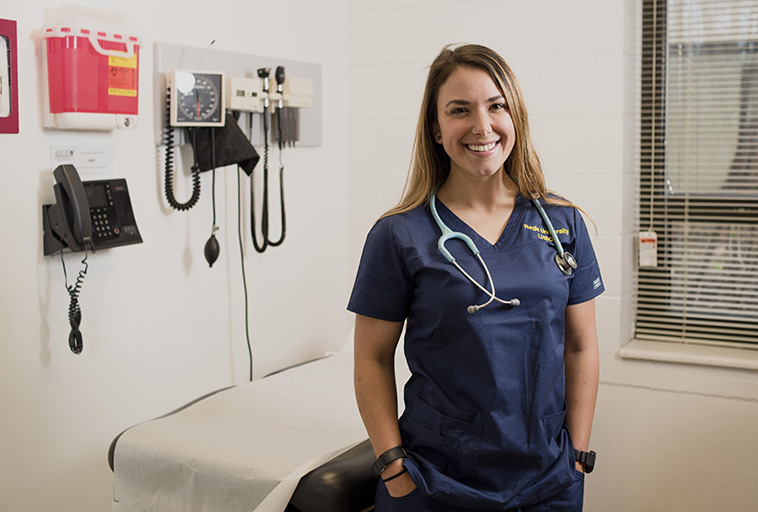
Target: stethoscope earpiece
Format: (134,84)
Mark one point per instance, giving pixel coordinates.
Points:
(564,259)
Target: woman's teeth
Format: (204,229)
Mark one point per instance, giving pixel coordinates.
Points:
(487,147)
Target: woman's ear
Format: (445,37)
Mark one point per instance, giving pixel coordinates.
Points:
(437,133)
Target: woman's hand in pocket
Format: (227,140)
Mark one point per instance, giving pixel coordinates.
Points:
(401,485)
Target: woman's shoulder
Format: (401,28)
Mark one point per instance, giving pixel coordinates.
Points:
(403,219)
(404,227)
(560,204)
(561,210)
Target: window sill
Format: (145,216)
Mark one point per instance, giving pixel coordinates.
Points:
(690,354)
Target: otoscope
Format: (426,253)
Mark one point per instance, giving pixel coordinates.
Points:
(280,89)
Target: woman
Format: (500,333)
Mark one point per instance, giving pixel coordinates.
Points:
(488,423)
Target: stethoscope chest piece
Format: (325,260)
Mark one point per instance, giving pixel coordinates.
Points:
(566,262)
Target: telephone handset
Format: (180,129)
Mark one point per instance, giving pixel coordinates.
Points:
(90,214)
(74,206)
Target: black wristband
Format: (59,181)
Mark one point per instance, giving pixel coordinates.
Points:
(392,454)
(586,459)
(405,470)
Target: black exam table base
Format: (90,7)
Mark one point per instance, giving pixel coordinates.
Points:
(344,484)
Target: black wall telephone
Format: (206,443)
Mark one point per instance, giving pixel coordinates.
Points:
(93,213)
(89,214)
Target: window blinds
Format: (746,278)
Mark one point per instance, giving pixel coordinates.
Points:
(699,171)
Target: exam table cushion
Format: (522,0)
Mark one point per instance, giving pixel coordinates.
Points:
(247,447)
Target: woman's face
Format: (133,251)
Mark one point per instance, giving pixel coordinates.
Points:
(473,123)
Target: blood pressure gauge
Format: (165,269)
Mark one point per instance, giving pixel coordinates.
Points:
(197,98)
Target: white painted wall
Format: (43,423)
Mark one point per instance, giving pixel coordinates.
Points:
(160,327)
(669,437)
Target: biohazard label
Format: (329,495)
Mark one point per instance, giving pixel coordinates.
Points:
(122,76)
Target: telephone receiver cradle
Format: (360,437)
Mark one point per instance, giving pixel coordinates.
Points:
(97,214)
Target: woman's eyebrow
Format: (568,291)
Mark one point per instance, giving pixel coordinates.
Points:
(467,102)
(457,102)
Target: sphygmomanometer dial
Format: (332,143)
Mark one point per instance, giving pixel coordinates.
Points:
(197,99)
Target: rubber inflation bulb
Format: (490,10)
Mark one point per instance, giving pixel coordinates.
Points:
(212,249)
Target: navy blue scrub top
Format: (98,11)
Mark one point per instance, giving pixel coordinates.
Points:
(484,408)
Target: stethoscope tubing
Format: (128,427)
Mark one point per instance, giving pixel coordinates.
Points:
(565,261)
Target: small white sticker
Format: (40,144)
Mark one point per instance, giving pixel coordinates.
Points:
(648,249)
(92,162)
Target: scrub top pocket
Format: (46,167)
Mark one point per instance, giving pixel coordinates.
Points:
(443,443)
(552,425)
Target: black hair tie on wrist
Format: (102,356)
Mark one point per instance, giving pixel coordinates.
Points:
(395,476)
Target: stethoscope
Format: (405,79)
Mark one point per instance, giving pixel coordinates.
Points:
(564,259)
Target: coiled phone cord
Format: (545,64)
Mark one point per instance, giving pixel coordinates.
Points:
(75,341)
(168,138)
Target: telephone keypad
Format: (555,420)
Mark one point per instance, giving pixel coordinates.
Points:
(101,223)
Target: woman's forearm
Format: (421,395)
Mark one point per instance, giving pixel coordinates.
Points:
(376,396)
(582,373)
(376,393)
(374,380)
(581,362)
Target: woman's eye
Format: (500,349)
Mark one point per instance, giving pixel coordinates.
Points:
(458,110)
(498,106)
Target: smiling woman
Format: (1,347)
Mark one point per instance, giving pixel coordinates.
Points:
(499,405)
(476,130)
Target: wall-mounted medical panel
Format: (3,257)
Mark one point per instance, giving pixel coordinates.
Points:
(241,72)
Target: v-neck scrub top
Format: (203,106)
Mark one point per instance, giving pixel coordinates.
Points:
(485,404)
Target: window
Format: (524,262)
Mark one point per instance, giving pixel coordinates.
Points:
(699,172)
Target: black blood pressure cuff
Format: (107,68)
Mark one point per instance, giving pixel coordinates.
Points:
(232,147)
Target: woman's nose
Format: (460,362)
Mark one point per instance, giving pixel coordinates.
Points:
(482,123)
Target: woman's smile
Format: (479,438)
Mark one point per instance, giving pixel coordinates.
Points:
(482,148)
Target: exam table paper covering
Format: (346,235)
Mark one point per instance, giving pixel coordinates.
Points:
(242,449)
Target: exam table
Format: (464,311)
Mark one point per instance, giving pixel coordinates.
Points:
(289,442)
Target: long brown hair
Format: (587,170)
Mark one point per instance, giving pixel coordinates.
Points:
(430,164)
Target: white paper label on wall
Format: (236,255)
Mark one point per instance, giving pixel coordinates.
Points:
(648,249)
(92,160)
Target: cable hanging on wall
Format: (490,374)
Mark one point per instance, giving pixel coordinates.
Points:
(266,241)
